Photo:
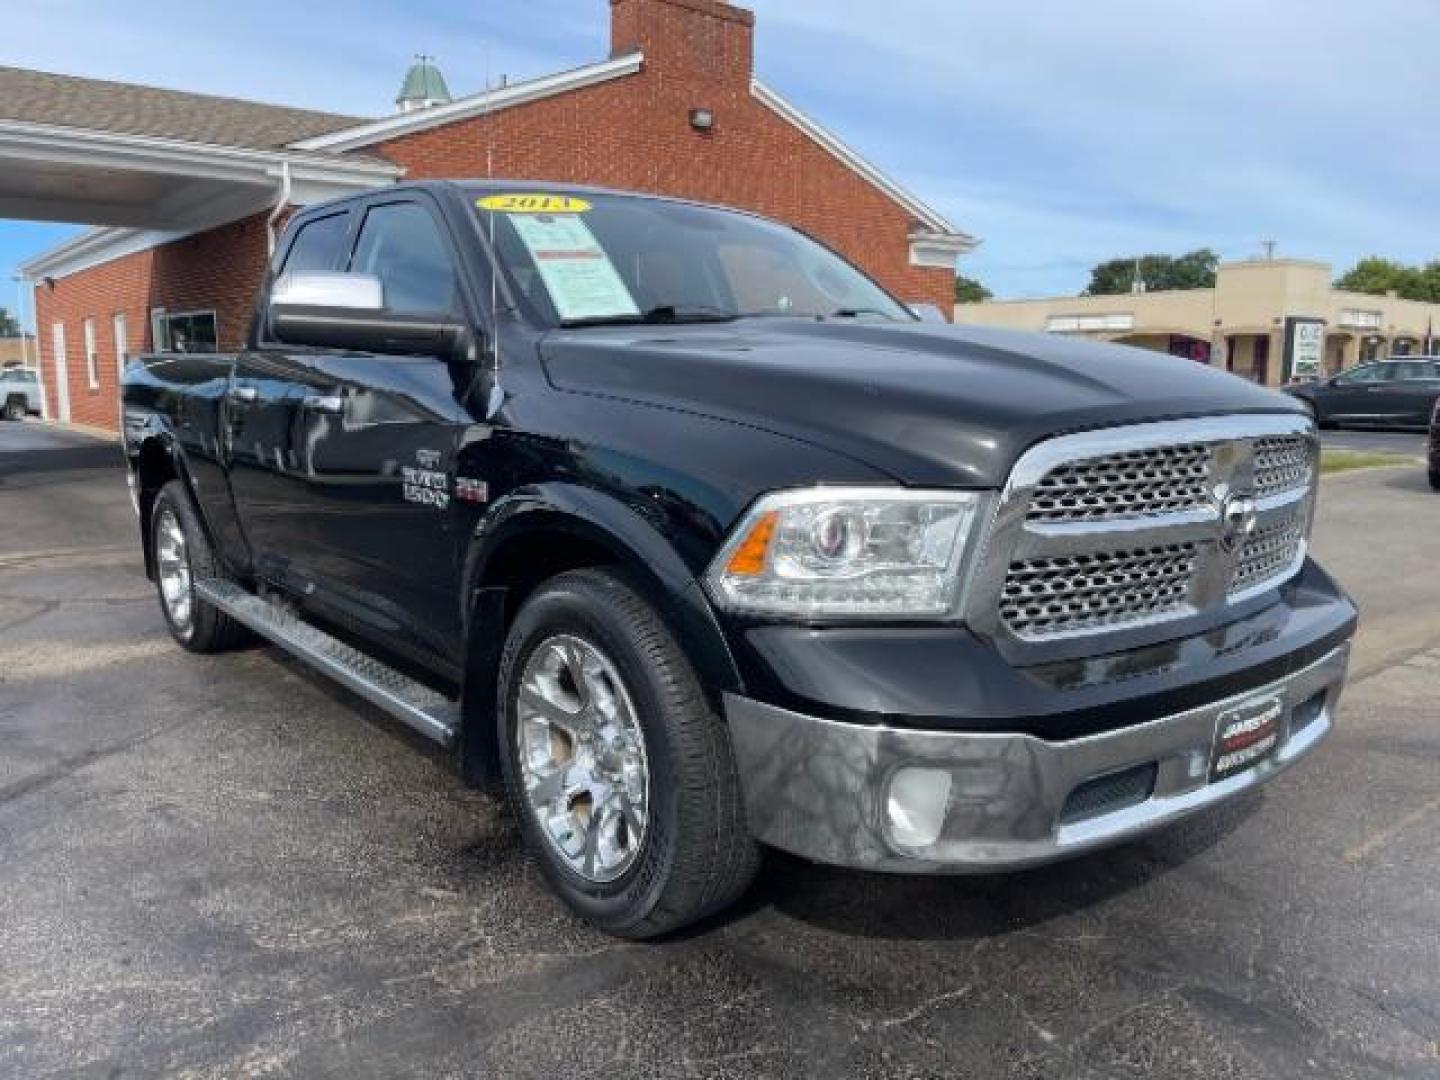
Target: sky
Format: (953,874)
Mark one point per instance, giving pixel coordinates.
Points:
(1059,133)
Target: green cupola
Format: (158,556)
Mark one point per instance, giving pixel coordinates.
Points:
(424,86)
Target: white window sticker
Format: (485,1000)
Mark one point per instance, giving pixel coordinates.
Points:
(582,281)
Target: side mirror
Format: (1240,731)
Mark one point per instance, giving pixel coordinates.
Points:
(347,311)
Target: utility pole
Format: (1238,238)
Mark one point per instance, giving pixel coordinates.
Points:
(1269,246)
(20,319)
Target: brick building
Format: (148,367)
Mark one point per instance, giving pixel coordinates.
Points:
(675,110)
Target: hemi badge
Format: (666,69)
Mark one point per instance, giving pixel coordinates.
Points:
(467,490)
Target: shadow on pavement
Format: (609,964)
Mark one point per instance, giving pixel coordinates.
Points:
(68,459)
(948,908)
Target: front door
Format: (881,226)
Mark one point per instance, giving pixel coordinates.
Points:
(341,461)
(376,436)
(1354,396)
(260,407)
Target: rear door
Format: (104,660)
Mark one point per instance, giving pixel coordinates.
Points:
(373,438)
(1407,398)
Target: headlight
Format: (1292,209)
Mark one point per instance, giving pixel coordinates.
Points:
(847,552)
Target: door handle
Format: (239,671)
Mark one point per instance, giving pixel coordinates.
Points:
(244,395)
(330,404)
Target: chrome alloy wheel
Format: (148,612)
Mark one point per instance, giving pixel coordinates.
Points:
(582,758)
(172,557)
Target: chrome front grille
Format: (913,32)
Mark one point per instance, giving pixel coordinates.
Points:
(1145,525)
(1137,483)
(1269,552)
(1283,463)
(1073,592)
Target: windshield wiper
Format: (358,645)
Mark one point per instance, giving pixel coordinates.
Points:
(856,313)
(663,314)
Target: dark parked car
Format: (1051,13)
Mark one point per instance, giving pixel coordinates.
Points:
(1435,447)
(701,540)
(1390,393)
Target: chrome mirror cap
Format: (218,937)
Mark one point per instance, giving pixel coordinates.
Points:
(347,292)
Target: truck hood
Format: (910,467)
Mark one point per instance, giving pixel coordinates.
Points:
(928,404)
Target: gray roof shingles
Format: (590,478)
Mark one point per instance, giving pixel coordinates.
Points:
(39,97)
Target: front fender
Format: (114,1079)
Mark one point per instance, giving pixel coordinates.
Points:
(634,543)
(623,538)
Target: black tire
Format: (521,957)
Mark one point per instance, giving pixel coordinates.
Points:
(697,856)
(15,409)
(208,629)
(1435,479)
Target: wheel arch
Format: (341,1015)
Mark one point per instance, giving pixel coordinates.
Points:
(157,461)
(534,534)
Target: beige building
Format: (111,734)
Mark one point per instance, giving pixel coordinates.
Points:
(14,350)
(1269,320)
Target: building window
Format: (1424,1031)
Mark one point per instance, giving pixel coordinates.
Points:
(1362,320)
(92,356)
(186,331)
(122,344)
(1085,324)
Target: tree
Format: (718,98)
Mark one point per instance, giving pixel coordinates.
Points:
(1379,276)
(9,325)
(1193,270)
(970,291)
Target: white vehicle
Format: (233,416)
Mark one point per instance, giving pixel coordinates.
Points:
(19,393)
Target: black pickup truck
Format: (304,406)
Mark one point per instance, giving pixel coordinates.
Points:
(682,528)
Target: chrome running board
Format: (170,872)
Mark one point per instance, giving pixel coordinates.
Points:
(408,700)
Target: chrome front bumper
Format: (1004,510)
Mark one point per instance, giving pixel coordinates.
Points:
(877,798)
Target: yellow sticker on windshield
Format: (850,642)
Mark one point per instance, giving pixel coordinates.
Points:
(533,204)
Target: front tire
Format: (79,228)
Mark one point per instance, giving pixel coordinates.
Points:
(14,409)
(183,556)
(1435,479)
(619,771)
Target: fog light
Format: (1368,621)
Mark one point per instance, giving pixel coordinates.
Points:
(916,806)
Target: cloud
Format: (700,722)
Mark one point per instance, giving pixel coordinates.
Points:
(1061,133)
(1064,133)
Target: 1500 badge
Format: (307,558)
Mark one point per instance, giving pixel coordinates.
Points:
(425,485)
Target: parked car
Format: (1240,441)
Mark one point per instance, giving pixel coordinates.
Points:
(1388,393)
(690,532)
(19,393)
(1435,448)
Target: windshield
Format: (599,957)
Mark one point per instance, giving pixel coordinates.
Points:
(600,259)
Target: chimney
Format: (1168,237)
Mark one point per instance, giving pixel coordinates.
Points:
(698,40)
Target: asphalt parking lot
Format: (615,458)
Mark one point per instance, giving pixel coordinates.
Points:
(225,867)
(1376,441)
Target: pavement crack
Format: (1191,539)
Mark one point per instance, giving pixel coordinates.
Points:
(1382,836)
(45,608)
(73,764)
(924,1007)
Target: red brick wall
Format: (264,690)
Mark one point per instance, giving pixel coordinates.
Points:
(219,270)
(635,133)
(630,133)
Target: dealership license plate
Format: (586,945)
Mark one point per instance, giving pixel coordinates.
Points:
(1245,736)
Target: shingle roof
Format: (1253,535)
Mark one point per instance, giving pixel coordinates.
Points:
(39,97)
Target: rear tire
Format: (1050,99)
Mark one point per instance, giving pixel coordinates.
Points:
(15,409)
(1435,479)
(183,556)
(671,849)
